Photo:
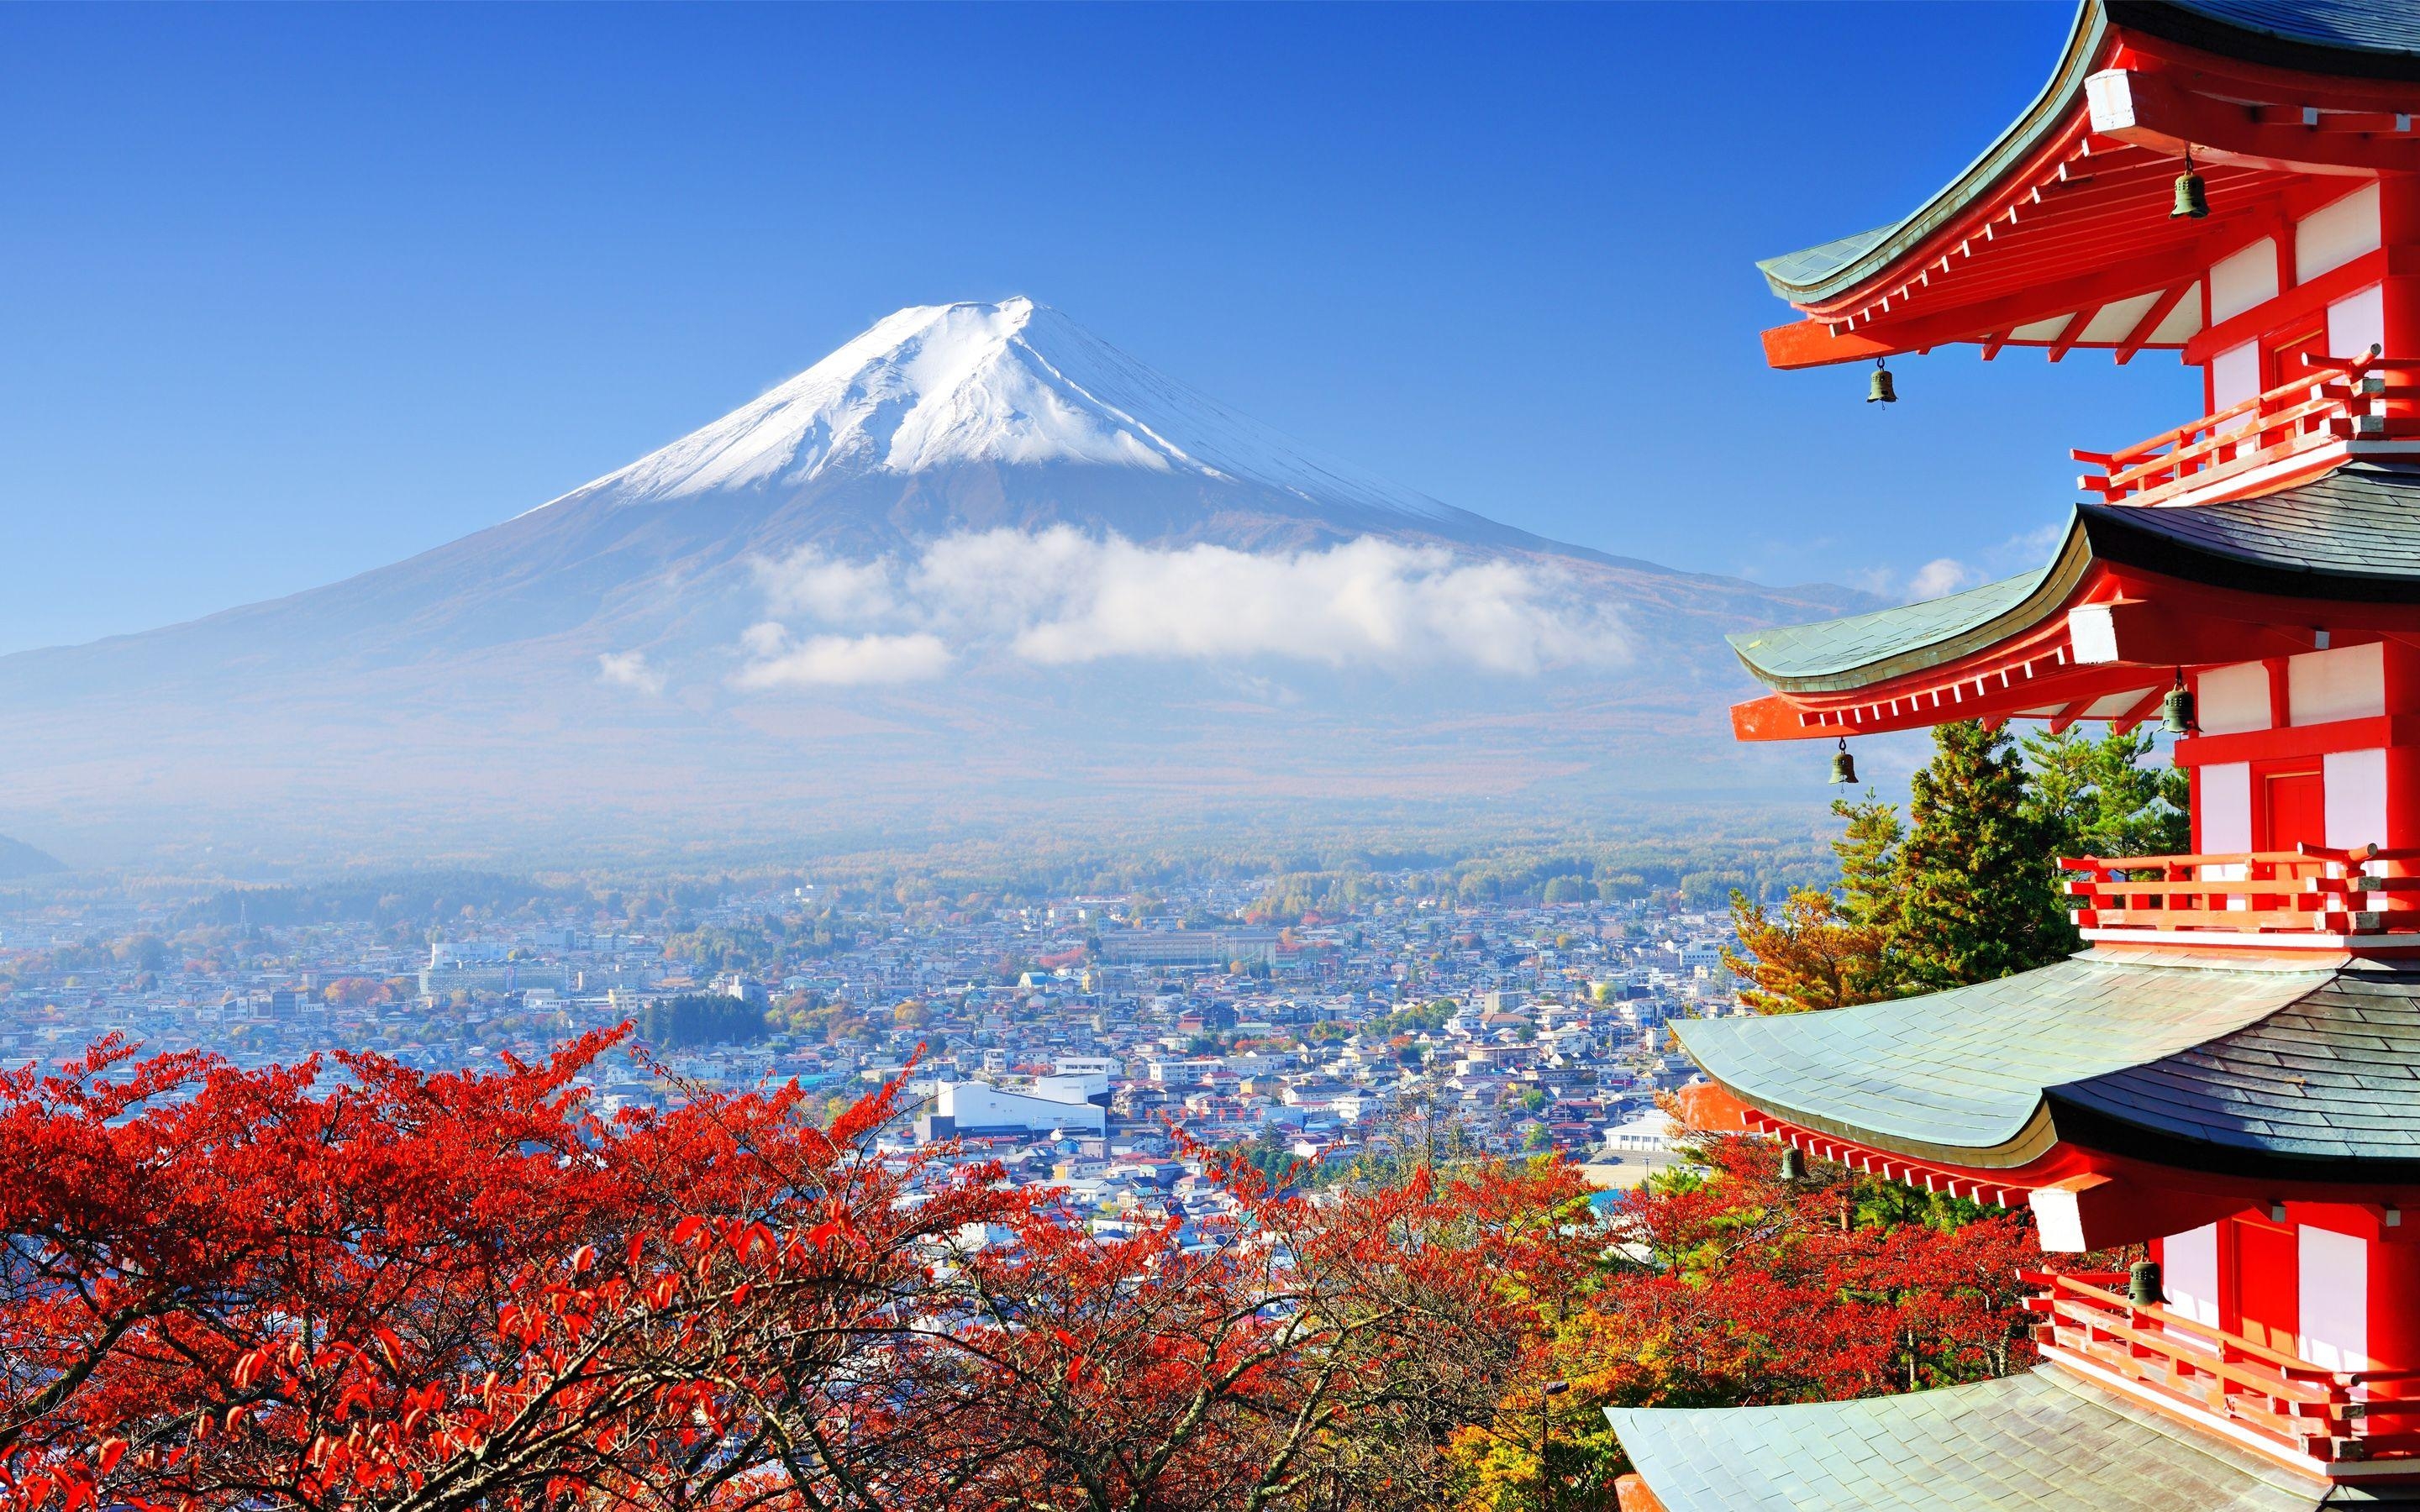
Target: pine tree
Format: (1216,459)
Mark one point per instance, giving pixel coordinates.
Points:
(2096,797)
(1809,955)
(1868,849)
(1974,878)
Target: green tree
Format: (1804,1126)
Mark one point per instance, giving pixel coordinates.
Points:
(1974,899)
(1868,849)
(2097,797)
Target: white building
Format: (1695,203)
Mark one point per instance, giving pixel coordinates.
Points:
(980,1108)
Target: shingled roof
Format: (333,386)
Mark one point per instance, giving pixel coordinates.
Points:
(2355,38)
(2351,535)
(2046,1440)
(2216,1063)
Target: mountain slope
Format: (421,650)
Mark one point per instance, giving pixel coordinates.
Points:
(936,538)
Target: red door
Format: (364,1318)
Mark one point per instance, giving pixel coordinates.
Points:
(2268,1288)
(2282,353)
(2295,811)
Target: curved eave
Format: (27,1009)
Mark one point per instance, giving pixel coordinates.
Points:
(2373,41)
(2025,1144)
(2120,534)
(2350,537)
(2050,111)
(1916,637)
(2215,1065)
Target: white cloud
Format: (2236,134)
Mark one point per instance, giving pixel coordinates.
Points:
(838,661)
(809,583)
(2021,552)
(1940,576)
(1058,597)
(630,669)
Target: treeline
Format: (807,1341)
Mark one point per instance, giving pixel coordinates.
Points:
(701,1018)
(430,898)
(1698,876)
(1545,857)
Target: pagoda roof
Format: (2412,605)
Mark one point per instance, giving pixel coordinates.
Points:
(2351,535)
(2042,1441)
(2364,38)
(2051,166)
(2236,1064)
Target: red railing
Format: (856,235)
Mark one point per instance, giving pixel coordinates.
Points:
(2325,1415)
(2340,399)
(2308,890)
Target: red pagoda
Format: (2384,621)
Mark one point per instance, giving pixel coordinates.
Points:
(2229,1073)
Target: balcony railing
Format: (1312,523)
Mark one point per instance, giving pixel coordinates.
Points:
(2322,1414)
(2338,399)
(2311,889)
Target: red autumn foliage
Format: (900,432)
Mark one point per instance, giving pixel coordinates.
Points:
(348,1285)
(242,1288)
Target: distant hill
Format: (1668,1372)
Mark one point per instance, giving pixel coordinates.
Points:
(975,562)
(19,859)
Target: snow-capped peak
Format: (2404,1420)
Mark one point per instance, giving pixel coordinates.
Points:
(938,386)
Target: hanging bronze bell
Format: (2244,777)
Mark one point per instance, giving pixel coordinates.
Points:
(2193,200)
(1844,767)
(1877,387)
(1793,1164)
(2143,1283)
(2177,711)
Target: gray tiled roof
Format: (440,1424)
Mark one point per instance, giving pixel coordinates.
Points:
(2389,27)
(1831,647)
(2352,534)
(2045,1441)
(1969,1076)
(2356,37)
(2334,1075)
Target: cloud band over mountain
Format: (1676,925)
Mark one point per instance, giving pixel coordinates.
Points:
(1058,597)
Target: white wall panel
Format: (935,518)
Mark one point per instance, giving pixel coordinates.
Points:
(2357,322)
(2227,807)
(2322,686)
(2189,1272)
(2355,787)
(2248,278)
(2235,375)
(2335,235)
(2231,700)
(2335,1302)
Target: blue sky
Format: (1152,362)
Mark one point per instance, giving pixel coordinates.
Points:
(289,293)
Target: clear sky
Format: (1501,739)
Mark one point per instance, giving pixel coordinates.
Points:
(289,293)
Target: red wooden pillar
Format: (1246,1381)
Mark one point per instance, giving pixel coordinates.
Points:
(2398,213)
(2395,1307)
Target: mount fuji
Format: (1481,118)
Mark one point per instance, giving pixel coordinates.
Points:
(974,560)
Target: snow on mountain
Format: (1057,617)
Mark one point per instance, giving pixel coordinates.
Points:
(975,556)
(940,386)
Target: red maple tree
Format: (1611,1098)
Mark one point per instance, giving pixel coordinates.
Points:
(351,1287)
